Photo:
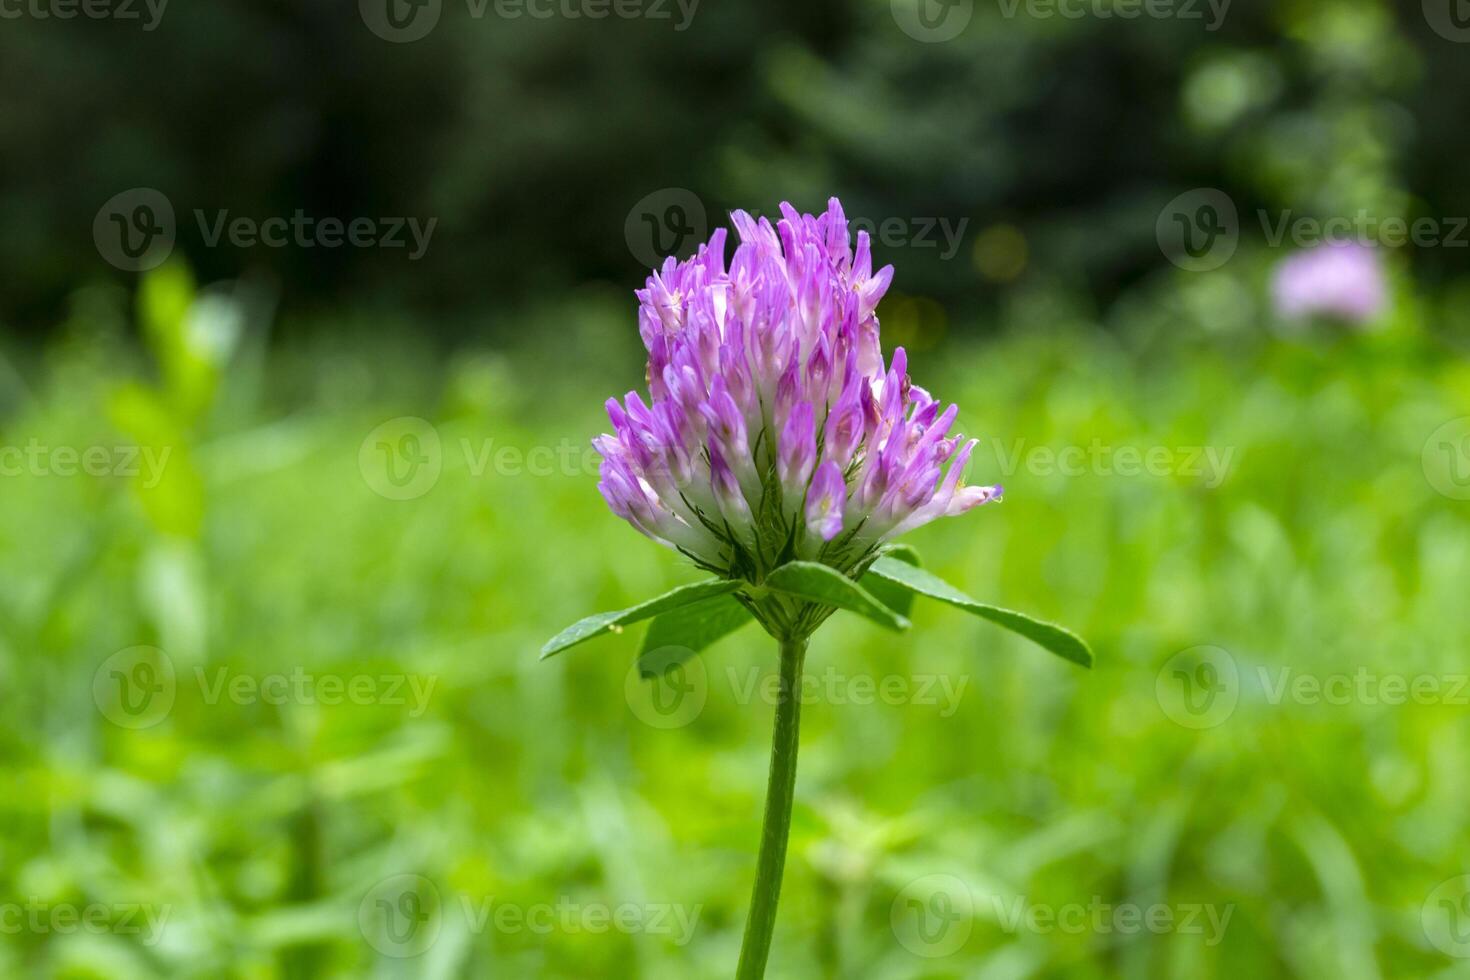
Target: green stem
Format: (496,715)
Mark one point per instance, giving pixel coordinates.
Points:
(776,824)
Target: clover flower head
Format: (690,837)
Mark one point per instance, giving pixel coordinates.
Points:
(1342,280)
(773,429)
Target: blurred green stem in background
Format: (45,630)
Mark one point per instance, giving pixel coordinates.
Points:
(776,825)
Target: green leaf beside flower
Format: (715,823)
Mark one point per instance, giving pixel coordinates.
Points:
(1059,641)
(894,596)
(596,625)
(675,636)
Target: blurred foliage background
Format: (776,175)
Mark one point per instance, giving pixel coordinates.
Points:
(240,527)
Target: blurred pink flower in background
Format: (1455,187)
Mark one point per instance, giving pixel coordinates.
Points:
(1342,280)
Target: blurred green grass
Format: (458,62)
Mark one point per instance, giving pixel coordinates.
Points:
(263,829)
